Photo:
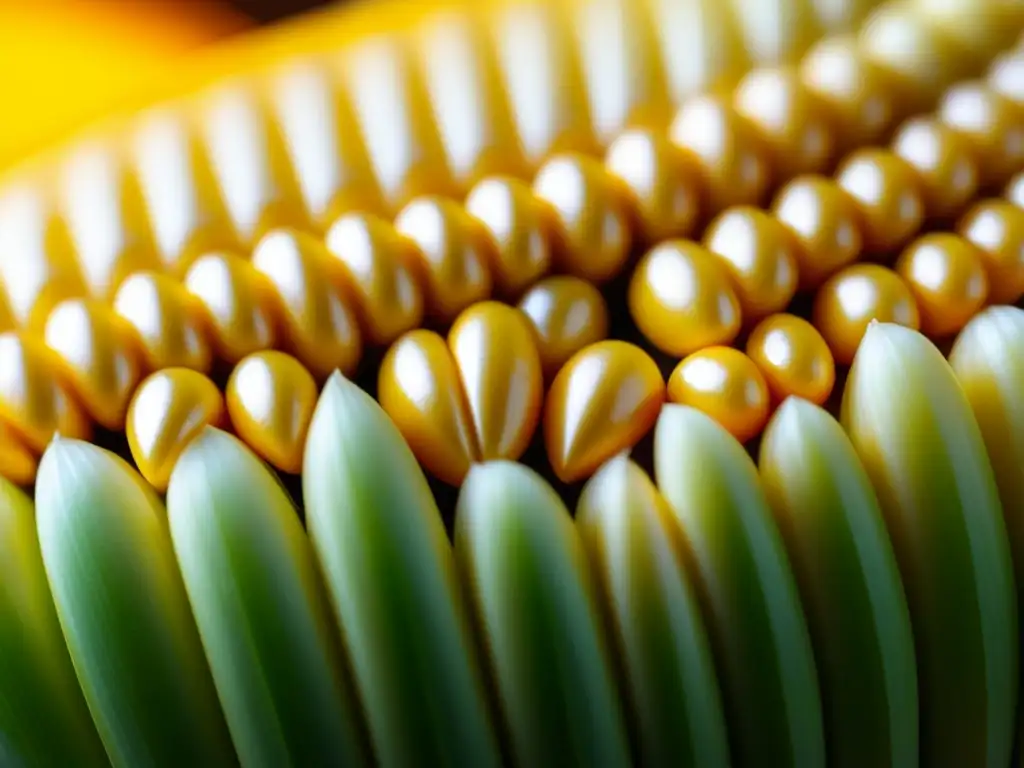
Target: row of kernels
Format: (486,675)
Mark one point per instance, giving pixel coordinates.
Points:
(97,363)
(473,396)
(478,394)
(685,296)
(938,283)
(88,365)
(268,402)
(220,175)
(374,282)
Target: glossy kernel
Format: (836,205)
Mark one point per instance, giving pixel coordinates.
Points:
(793,358)
(164,317)
(33,402)
(102,202)
(184,201)
(454,254)
(98,357)
(852,298)
(946,275)
(475,397)
(168,410)
(232,305)
(791,119)
(391,103)
(826,223)
(726,385)
(521,230)
(591,216)
(663,181)
(250,160)
(379,266)
(567,314)
(322,138)
(419,387)
(463,80)
(861,97)
(495,350)
(943,161)
(734,161)
(317,324)
(996,229)
(38,267)
(602,402)
(761,256)
(888,196)
(270,399)
(682,300)
(17,463)
(993,124)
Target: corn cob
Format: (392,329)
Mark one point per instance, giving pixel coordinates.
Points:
(529,155)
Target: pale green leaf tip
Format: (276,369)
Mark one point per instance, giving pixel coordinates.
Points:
(612,481)
(63,454)
(340,394)
(200,455)
(496,482)
(791,414)
(71,467)
(496,471)
(883,337)
(613,472)
(675,416)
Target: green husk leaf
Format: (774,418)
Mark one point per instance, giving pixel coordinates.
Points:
(264,621)
(988,360)
(913,429)
(43,716)
(536,608)
(634,549)
(123,611)
(391,577)
(829,518)
(755,620)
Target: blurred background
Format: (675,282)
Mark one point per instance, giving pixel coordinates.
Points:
(67,63)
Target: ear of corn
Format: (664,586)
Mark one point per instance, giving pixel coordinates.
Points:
(536,608)
(264,621)
(850,586)
(913,429)
(748,593)
(656,622)
(851,604)
(43,717)
(124,613)
(390,573)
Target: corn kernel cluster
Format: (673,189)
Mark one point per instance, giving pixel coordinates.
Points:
(556,234)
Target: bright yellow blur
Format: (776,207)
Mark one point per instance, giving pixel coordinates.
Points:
(68,62)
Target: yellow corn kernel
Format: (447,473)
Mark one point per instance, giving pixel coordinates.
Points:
(168,410)
(602,402)
(270,399)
